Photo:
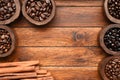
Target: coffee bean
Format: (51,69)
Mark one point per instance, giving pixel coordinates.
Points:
(114,8)
(5,41)
(7,8)
(112,69)
(112,39)
(39,10)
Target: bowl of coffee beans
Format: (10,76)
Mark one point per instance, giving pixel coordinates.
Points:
(7,41)
(110,39)
(39,12)
(110,68)
(9,11)
(112,10)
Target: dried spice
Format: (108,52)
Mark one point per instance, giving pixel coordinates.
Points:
(39,10)
(112,69)
(7,9)
(114,8)
(112,39)
(5,41)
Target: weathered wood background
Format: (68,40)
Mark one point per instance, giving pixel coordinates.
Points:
(69,45)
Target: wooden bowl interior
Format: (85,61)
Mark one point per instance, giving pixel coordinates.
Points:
(12,38)
(102,67)
(111,18)
(15,16)
(102,44)
(37,22)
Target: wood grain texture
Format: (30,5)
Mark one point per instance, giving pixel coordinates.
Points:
(74,73)
(57,36)
(72,17)
(77,3)
(68,46)
(59,56)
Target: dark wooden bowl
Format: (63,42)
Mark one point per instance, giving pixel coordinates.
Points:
(12,38)
(37,22)
(102,67)
(102,44)
(111,18)
(15,16)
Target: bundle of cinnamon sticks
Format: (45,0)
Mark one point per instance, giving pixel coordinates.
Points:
(28,70)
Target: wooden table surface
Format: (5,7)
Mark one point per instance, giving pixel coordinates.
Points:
(68,46)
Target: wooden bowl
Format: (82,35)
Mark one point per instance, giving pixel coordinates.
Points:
(102,67)
(12,39)
(15,16)
(102,44)
(110,17)
(38,22)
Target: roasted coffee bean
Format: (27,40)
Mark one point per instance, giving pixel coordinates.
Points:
(112,69)
(114,8)
(7,9)
(5,41)
(112,39)
(39,10)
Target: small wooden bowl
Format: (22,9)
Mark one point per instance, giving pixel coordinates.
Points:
(12,38)
(111,18)
(37,22)
(102,44)
(15,16)
(102,67)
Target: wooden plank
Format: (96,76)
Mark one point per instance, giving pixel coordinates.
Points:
(71,16)
(75,73)
(77,2)
(57,36)
(58,56)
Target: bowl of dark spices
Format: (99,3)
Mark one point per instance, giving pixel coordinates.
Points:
(110,39)
(112,10)
(39,12)
(110,68)
(9,11)
(7,41)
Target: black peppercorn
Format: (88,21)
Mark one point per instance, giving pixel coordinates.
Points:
(112,39)
(114,8)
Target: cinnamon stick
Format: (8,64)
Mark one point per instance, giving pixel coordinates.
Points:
(16,69)
(15,64)
(17,74)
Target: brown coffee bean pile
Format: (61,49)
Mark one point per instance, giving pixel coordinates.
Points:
(114,8)
(112,39)
(5,41)
(112,69)
(39,10)
(7,9)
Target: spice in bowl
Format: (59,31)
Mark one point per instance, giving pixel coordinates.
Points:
(39,10)
(114,8)
(112,69)
(7,9)
(112,39)
(7,41)
(109,68)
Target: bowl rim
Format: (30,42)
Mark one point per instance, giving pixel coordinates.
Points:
(110,17)
(37,22)
(101,39)
(12,38)
(15,16)
(102,65)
